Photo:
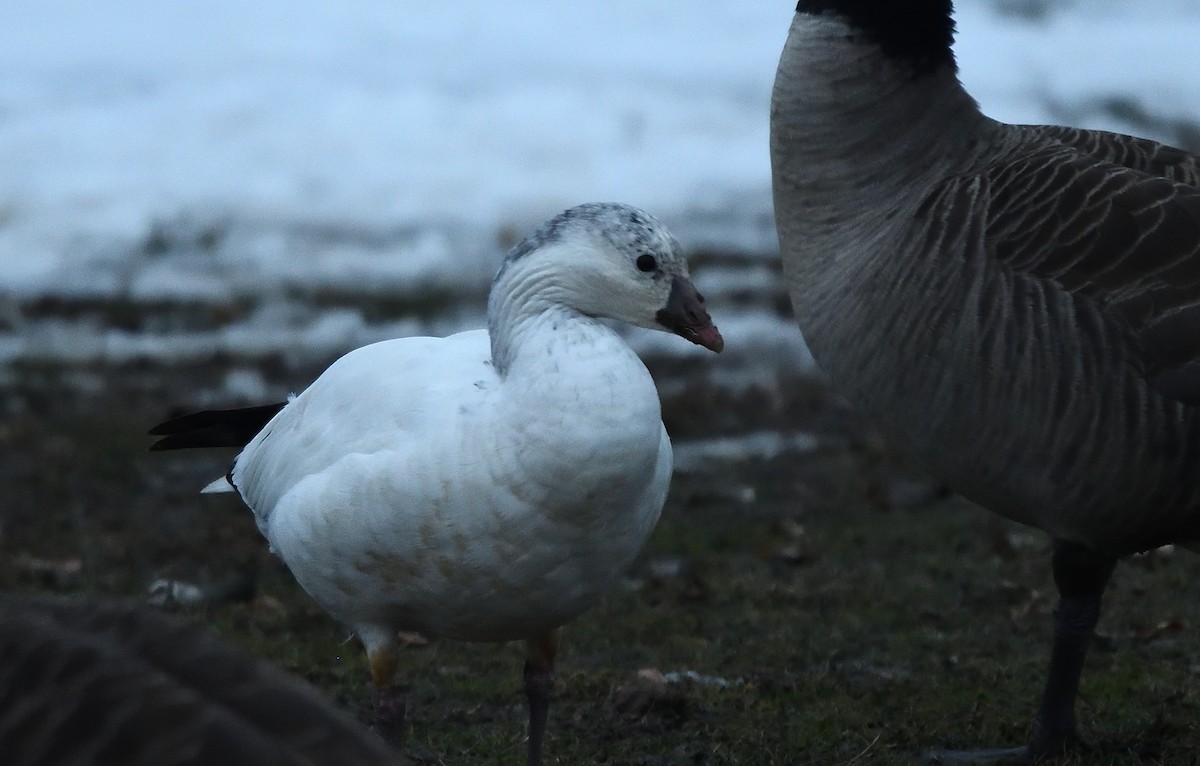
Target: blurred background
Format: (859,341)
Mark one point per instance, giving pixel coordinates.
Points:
(193,181)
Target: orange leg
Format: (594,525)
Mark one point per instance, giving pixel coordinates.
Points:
(539,687)
(388,701)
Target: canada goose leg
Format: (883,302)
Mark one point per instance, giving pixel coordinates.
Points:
(387,700)
(1081,576)
(539,688)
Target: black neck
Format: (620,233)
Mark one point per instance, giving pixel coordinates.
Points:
(917,32)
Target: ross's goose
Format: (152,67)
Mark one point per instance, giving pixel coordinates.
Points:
(487,486)
(1019,305)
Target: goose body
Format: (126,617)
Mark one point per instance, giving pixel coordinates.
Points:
(107,682)
(1018,306)
(475,507)
(487,486)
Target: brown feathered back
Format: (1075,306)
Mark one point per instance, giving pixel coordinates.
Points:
(105,682)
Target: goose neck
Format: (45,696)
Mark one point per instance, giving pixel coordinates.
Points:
(860,131)
(526,300)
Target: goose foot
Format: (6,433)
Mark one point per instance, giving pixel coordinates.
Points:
(1015,756)
(1081,576)
(387,718)
(1050,739)
(1044,743)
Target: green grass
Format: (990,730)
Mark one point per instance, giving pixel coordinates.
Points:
(870,637)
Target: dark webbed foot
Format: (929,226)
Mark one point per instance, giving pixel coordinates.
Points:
(1081,576)
(387,716)
(1014,756)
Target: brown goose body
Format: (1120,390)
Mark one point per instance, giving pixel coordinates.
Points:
(1018,306)
(87,682)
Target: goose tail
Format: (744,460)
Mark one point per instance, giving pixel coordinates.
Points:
(217,486)
(214,428)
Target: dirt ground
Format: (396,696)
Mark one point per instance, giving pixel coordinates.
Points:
(825,605)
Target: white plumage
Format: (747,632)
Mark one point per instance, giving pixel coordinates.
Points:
(490,485)
(413,487)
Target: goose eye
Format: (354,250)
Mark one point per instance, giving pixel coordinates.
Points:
(646,262)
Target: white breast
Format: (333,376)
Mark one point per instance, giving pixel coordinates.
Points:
(412,487)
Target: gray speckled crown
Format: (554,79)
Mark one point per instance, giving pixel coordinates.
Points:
(628,229)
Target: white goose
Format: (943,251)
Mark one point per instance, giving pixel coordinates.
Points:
(487,486)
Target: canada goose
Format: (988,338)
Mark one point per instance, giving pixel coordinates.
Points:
(488,486)
(1017,305)
(108,682)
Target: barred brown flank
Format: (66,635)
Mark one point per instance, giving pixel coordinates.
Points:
(102,681)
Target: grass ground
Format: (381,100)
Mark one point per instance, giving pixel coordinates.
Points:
(827,625)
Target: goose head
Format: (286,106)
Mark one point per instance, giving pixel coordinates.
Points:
(916,34)
(611,261)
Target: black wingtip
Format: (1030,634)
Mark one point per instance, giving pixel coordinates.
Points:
(213,428)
